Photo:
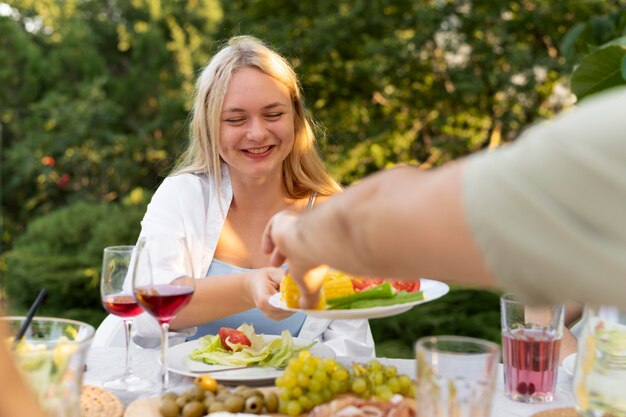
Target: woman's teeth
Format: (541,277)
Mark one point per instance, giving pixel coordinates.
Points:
(258,150)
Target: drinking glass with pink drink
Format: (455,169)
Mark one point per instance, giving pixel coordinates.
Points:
(163,283)
(531,340)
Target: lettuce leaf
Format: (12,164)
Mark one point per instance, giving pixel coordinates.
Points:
(275,353)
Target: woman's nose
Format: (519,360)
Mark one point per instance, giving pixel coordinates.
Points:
(257,130)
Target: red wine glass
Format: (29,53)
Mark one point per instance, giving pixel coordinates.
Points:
(163,283)
(117,299)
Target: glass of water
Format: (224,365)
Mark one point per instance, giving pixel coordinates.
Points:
(456,376)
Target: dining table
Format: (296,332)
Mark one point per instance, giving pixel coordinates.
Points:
(103,363)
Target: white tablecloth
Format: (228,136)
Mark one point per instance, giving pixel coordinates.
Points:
(104,363)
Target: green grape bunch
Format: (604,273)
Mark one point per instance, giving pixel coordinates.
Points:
(309,381)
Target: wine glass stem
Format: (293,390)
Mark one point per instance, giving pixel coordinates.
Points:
(165,380)
(128,369)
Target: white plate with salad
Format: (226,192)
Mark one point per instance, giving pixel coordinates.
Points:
(242,365)
(431,290)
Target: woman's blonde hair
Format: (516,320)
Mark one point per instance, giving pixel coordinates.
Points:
(303,171)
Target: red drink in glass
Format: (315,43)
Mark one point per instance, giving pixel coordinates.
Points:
(531,361)
(121,305)
(163,301)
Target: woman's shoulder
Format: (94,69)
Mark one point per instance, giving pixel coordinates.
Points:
(186,178)
(184,186)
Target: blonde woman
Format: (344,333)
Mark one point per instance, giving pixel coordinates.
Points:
(251,154)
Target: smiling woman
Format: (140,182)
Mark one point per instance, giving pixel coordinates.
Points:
(251,154)
(256,133)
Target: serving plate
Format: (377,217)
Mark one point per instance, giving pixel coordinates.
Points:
(432,290)
(179,363)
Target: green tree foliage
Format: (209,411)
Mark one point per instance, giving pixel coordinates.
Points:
(62,251)
(94,97)
(601,42)
(418,82)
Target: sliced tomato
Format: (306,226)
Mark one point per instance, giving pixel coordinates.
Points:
(363,283)
(408,286)
(234,337)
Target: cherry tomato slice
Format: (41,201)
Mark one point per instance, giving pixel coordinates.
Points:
(233,336)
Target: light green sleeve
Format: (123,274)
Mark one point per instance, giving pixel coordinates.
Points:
(548,212)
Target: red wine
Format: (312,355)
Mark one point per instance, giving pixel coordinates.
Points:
(163,301)
(121,305)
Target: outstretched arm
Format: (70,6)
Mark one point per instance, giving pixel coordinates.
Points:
(402,223)
(222,296)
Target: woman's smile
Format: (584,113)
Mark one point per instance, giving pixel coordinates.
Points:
(257,153)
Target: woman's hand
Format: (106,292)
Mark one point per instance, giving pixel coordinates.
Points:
(262,284)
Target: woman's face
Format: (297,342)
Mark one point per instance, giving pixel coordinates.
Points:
(257,125)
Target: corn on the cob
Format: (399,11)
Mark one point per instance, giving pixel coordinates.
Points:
(336,284)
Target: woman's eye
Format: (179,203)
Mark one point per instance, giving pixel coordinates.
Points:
(235,120)
(273,115)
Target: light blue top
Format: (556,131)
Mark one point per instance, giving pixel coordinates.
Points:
(253,316)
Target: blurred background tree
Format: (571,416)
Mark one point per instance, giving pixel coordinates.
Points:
(94,98)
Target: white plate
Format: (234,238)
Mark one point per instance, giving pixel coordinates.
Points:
(179,363)
(432,290)
(569,364)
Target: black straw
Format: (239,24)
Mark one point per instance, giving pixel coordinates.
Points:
(29,317)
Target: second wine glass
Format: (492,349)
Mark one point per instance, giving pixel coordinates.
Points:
(163,283)
(118,299)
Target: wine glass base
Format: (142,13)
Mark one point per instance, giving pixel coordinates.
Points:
(130,383)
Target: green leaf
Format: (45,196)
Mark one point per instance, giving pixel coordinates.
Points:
(570,38)
(599,71)
(618,41)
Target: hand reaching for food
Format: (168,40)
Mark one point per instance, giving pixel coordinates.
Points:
(262,284)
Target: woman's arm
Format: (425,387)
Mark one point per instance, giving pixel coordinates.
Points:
(178,210)
(221,296)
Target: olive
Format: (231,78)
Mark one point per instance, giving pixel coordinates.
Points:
(183,399)
(271,402)
(221,396)
(216,406)
(234,404)
(250,392)
(207,402)
(208,395)
(196,393)
(239,389)
(169,408)
(193,409)
(253,405)
(170,395)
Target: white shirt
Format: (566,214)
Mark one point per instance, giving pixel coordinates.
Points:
(188,205)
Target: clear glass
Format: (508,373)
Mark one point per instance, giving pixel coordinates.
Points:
(456,376)
(118,299)
(531,341)
(163,283)
(52,355)
(600,375)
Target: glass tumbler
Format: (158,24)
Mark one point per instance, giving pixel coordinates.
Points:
(51,355)
(600,373)
(531,342)
(455,376)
